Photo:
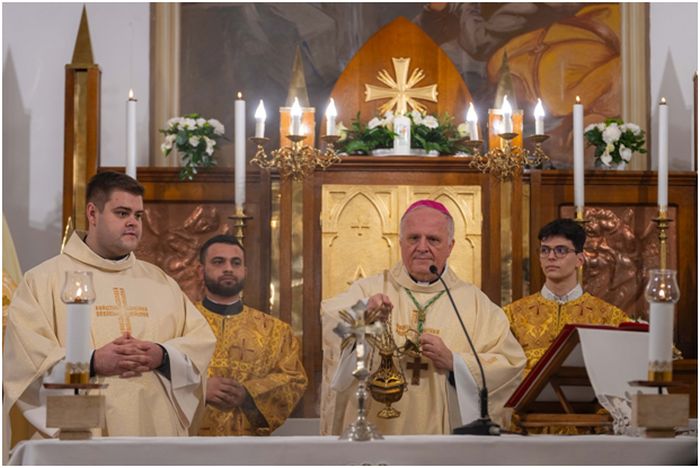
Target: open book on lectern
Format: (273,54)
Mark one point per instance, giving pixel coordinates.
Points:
(566,375)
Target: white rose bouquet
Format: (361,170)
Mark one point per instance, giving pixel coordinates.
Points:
(615,141)
(195,139)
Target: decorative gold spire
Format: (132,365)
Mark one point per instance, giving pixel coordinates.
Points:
(505,85)
(297,85)
(82,52)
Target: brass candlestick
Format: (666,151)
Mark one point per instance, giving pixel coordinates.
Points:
(581,221)
(662,223)
(239,220)
(507,160)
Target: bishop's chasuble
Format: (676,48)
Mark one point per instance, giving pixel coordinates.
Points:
(536,320)
(131,295)
(263,355)
(434,405)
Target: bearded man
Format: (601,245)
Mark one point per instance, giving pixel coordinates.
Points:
(256,376)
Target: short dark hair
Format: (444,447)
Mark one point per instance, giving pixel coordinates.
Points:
(567,228)
(220,239)
(102,184)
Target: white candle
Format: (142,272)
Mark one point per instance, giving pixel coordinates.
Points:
(402,140)
(131,135)
(78,346)
(239,152)
(663,156)
(578,157)
(539,118)
(661,332)
(331,114)
(260,116)
(296,117)
(472,123)
(507,113)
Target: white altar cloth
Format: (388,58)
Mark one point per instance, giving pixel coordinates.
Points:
(393,450)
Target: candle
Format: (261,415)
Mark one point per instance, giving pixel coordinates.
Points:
(663,157)
(260,116)
(578,157)
(239,152)
(331,114)
(539,118)
(78,346)
(131,135)
(472,124)
(296,117)
(507,112)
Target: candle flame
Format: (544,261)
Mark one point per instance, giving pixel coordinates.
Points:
(260,112)
(578,100)
(240,95)
(131,94)
(539,109)
(505,107)
(331,110)
(663,100)
(296,108)
(471,113)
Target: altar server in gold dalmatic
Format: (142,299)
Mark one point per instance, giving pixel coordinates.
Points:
(536,320)
(151,345)
(444,381)
(256,376)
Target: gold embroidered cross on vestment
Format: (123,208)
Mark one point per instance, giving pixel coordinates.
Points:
(121,310)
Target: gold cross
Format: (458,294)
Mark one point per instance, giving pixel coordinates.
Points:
(360,224)
(416,367)
(401,92)
(122,310)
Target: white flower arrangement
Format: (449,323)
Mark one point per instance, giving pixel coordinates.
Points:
(615,141)
(195,139)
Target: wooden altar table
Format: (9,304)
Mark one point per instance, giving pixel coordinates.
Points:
(394,450)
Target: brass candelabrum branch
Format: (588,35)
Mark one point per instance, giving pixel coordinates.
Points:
(507,160)
(298,160)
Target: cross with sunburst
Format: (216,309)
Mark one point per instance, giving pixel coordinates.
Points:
(401,92)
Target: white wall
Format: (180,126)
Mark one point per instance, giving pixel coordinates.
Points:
(38,41)
(673,50)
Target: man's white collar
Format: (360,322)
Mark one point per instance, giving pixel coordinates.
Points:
(570,296)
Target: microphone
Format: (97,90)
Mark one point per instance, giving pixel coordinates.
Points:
(483,425)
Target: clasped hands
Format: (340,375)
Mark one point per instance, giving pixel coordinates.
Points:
(379,307)
(224,393)
(127,357)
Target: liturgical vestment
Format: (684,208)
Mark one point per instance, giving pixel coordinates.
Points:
(434,406)
(537,320)
(263,355)
(131,295)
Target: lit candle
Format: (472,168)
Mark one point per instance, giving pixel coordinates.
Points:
(539,118)
(296,117)
(239,152)
(578,157)
(663,157)
(507,113)
(260,116)
(131,135)
(472,123)
(331,114)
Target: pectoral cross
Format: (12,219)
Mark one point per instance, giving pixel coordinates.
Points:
(416,366)
(121,310)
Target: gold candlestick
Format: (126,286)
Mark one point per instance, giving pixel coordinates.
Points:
(662,223)
(239,220)
(581,221)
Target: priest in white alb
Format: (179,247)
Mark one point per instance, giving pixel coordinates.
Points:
(151,345)
(444,381)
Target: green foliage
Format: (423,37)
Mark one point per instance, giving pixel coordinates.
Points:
(360,139)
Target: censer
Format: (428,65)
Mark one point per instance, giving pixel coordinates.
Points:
(388,383)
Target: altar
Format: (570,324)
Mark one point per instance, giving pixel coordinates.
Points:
(393,450)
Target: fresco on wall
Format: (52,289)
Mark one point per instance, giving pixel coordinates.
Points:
(555,51)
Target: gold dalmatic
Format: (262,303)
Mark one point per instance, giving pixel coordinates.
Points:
(401,92)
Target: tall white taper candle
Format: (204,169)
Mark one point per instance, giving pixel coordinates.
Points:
(260,116)
(239,150)
(662,194)
(578,157)
(131,135)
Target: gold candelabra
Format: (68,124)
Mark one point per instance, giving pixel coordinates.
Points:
(298,160)
(507,160)
(239,220)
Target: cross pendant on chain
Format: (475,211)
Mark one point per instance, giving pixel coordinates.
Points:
(416,366)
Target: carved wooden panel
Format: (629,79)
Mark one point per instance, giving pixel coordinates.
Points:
(360,230)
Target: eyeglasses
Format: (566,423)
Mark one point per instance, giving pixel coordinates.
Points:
(560,251)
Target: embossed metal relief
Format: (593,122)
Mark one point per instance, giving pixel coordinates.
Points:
(172,235)
(360,230)
(621,246)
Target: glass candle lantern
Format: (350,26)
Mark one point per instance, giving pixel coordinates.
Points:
(662,293)
(78,294)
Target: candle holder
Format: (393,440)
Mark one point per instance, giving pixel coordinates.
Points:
(581,221)
(507,160)
(239,221)
(75,415)
(299,160)
(662,293)
(662,222)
